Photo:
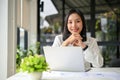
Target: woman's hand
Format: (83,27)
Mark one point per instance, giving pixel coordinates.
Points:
(74,39)
(70,40)
(78,41)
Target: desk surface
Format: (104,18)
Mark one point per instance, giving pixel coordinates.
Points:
(93,74)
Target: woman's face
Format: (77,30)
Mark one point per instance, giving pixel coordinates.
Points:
(74,23)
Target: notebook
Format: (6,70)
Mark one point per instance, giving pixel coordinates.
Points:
(65,58)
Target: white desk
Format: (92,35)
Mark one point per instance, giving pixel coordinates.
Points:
(93,74)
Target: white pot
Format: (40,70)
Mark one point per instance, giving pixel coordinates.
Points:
(35,75)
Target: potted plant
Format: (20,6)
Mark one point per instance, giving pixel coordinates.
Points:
(32,63)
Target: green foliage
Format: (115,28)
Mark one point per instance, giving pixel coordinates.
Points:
(56,27)
(30,60)
(33,63)
(47,30)
(113,19)
(19,56)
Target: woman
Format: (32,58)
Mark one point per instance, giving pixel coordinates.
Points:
(74,34)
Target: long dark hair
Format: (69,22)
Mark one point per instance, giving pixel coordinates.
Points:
(66,32)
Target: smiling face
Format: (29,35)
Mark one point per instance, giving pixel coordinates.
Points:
(74,23)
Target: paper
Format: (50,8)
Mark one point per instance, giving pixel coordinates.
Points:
(55,75)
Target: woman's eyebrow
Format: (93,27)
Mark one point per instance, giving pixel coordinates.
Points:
(78,19)
(75,19)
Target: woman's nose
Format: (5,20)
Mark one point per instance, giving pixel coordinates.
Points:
(73,24)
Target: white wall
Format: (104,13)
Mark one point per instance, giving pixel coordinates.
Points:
(3,38)
(12,38)
(7,38)
(8,33)
(32,33)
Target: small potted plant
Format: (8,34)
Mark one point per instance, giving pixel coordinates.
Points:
(31,63)
(34,65)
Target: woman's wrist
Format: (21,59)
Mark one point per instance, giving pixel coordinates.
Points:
(82,45)
(85,47)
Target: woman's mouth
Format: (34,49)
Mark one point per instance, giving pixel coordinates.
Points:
(75,30)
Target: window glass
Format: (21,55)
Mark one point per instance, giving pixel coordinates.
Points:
(106,27)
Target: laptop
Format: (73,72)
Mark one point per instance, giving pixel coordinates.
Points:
(65,58)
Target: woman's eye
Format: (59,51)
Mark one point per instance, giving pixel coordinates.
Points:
(69,22)
(78,21)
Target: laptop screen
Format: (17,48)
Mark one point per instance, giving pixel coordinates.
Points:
(65,58)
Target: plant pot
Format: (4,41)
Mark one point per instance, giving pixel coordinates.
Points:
(35,75)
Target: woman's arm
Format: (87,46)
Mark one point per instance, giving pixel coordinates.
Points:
(57,41)
(93,54)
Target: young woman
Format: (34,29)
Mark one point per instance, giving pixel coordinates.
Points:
(74,34)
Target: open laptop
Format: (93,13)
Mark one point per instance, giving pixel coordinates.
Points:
(65,58)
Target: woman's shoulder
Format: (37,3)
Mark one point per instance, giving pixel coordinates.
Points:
(59,36)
